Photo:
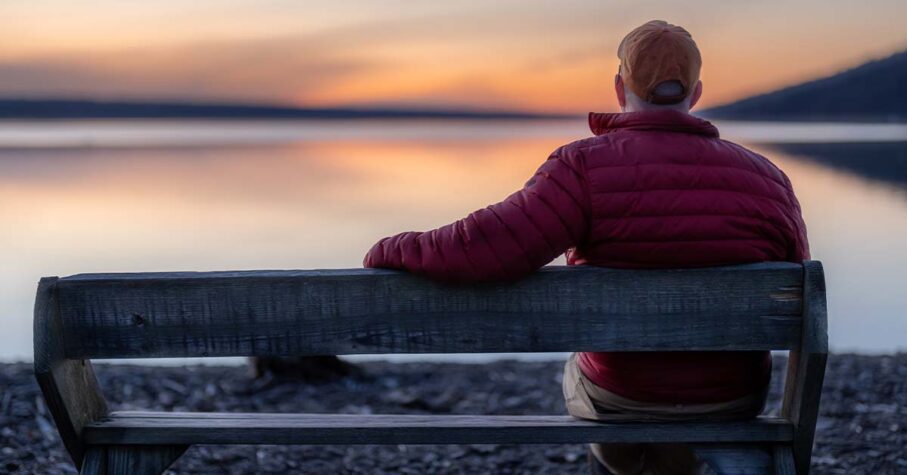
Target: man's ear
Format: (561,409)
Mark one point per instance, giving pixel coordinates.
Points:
(619,90)
(697,93)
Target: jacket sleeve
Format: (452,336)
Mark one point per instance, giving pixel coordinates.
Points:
(801,242)
(799,246)
(504,241)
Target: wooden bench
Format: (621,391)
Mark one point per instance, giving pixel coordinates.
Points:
(770,306)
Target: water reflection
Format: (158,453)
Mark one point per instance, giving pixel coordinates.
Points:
(883,161)
(322,203)
(857,223)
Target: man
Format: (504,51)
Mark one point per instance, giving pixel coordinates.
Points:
(654,188)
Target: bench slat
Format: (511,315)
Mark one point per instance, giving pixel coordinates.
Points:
(319,429)
(360,311)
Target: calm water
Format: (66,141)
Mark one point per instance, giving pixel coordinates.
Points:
(156,196)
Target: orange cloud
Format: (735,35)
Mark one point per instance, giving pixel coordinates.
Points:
(510,54)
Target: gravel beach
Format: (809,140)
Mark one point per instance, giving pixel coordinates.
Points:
(862,428)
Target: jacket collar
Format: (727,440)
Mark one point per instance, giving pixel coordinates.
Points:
(667,120)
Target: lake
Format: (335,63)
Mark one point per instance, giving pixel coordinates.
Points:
(118,196)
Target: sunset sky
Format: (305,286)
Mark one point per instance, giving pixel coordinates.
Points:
(554,56)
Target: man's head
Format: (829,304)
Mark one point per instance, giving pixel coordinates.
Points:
(659,69)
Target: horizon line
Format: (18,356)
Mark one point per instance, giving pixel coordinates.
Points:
(57,106)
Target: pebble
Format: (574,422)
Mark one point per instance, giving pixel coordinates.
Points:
(862,428)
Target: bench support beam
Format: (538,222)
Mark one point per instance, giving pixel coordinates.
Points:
(131,459)
(784,460)
(70,388)
(806,367)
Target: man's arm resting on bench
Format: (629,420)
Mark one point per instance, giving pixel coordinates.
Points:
(504,241)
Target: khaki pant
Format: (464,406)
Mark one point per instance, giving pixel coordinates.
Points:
(585,400)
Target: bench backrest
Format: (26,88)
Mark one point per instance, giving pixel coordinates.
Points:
(767,306)
(272,313)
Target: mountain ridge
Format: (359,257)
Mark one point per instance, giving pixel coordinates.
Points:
(875,91)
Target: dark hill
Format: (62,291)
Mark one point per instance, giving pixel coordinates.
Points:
(875,91)
(91,109)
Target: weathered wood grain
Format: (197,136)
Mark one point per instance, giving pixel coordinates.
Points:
(130,459)
(277,313)
(70,388)
(784,460)
(95,462)
(735,459)
(806,367)
(142,459)
(192,428)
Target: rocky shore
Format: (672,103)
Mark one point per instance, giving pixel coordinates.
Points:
(862,428)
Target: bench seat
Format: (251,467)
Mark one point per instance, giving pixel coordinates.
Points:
(753,307)
(304,429)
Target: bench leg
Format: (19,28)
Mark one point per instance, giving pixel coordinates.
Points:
(783,456)
(735,459)
(748,460)
(130,459)
(94,461)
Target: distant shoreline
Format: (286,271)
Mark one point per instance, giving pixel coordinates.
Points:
(75,109)
(13,109)
(804,119)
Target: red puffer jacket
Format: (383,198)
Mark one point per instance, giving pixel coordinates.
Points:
(652,189)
